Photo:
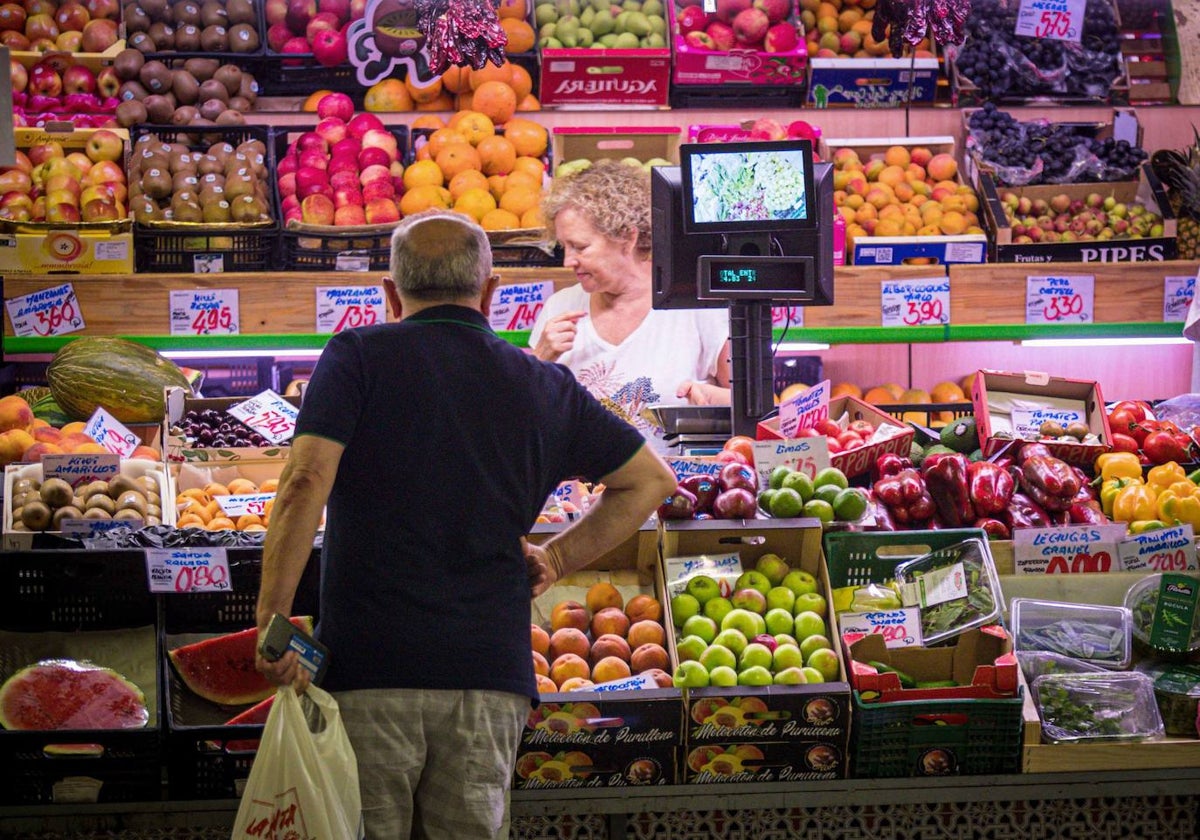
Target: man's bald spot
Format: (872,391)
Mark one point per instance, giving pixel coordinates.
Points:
(439,237)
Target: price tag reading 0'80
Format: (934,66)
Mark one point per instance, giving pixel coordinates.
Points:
(205,312)
(1057,20)
(53,311)
(345,307)
(1060,300)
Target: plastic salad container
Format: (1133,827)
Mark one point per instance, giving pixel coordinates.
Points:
(1035,663)
(1110,706)
(955,587)
(1096,634)
(1177,689)
(1142,601)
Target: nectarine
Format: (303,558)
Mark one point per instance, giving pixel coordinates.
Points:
(601,595)
(645,632)
(609,620)
(568,640)
(643,607)
(609,645)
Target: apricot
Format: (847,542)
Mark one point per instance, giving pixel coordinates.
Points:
(942,167)
(220,523)
(92,448)
(70,441)
(645,631)
(569,665)
(15,413)
(539,639)
(271,485)
(568,614)
(601,595)
(34,453)
(13,444)
(920,155)
(897,156)
(609,645)
(661,678)
(242,486)
(610,668)
(610,620)
(643,608)
(568,640)
(575,683)
(216,488)
(540,666)
(545,685)
(648,657)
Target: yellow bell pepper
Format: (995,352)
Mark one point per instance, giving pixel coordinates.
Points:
(1118,465)
(1109,490)
(1164,475)
(1179,504)
(1144,525)
(1134,502)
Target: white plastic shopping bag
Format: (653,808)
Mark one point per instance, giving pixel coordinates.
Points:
(304,782)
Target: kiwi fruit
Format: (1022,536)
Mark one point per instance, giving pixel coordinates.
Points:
(128,64)
(129,515)
(183,180)
(183,160)
(187,38)
(24,485)
(210,109)
(183,114)
(239,104)
(248,89)
(186,13)
(55,492)
(99,500)
(154,158)
(201,68)
(91,489)
(145,210)
(238,184)
(158,108)
(212,13)
(136,19)
(214,89)
(243,38)
(155,76)
(142,42)
(65,512)
(230,117)
(156,9)
(156,183)
(185,196)
(185,87)
(240,11)
(230,77)
(153,509)
(214,38)
(247,209)
(36,515)
(98,512)
(132,499)
(163,35)
(216,212)
(253,150)
(132,89)
(188,211)
(208,164)
(131,112)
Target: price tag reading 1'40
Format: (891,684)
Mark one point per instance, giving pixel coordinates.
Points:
(268,414)
(205,312)
(53,311)
(915,303)
(1059,300)
(345,307)
(183,570)
(1058,20)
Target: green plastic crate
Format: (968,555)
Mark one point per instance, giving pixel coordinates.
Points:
(856,558)
(956,737)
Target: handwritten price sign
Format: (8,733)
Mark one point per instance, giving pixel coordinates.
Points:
(1058,20)
(516,307)
(1177,297)
(1028,421)
(1059,300)
(1164,550)
(915,303)
(804,411)
(47,312)
(806,455)
(183,570)
(205,312)
(234,506)
(78,470)
(899,628)
(108,431)
(1068,549)
(345,307)
(268,414)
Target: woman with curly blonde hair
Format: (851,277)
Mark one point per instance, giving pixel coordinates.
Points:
(604,328)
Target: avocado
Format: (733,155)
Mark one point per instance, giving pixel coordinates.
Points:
(916,454)
(937,449)
(960,436)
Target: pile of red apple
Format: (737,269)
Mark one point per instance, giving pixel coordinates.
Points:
(346,171)
(316,27)
(758,25)
(731,494)
(73,26)
(56,88)
(47,184)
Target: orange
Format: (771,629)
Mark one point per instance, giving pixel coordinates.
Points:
(879,396)
(457,79)
(519,200)
(216,488)
(508,9)
(468,179)
(463,101)
(491,73)
(947,392)
(520,34)
(269,486)
(497,155)
(495,99)
(442,138)
(428,93)
(528,137)
(522,82)
(423,173)
(197,494)
(247,519)
(242,486)
(422,152)
(529,103)
(522,180)
(387,95)
(500,220)
(444,102)
(497,183)
(310,104)
(533,218)
(429,121)
(220,523)
(196,509)
(475,126)
(529,165)
(457,157)
(189,520)
(845,389)
(476,202)
(423,198)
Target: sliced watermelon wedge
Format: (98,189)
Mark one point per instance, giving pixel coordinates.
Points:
(221,669)
(67,694)
(256,714)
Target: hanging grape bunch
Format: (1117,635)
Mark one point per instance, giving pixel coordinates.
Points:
(461,33)
(909,21)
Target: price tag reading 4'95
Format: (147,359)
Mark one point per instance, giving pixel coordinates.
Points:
(205,312)
(1058,20)
(52,311)
(345,307)
(915,303)
(182,570)
(269,414)
(107,431)
(1059,300)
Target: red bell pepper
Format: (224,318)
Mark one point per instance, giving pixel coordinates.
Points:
(1086,513)
(994,528)
(946,479)
(1051,475)
(906,497)
(1024,512)
(889,463)
(990,487)
(1031,450)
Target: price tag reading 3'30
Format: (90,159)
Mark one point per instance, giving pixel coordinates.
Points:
(269,414)
(915,303)
(344,307)
(205,312)
(1058,20)
(1060,300)
(53,311)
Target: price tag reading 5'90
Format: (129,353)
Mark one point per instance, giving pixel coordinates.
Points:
(269,414)
(182,570)
(1059,300)
(53,311)
(345,307)
(205,312)
(1058,20)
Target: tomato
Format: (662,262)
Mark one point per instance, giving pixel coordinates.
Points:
(808,433)
(1123,443)
(865,428)
(834,446)
(1140,430)
(1135,408)
(1121,420)
(828,427)
(849,440)
(726,456)
(743,445)
(1161,447)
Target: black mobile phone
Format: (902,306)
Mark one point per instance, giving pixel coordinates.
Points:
(283,636)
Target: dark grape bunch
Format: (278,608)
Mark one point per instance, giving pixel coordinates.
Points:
(1000,137)
(212,429)
(1118,154)
(1056,145)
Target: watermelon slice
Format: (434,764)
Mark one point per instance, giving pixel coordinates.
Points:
(66,694)
(256,714)
(221,669)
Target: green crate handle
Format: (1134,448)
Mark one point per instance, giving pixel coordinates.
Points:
(853,556)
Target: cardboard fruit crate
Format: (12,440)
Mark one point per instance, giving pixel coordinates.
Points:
(1147,190)
(872,82)
(739,71)
(777,732)
(586,78)
(60,60)
(85,605)
(600,737)
(176,449)
(594,143)
(993,393)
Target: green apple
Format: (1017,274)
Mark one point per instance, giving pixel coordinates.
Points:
(755,675)
(811,602)
(814,642)
(779,621)
(690,647)
(830,475)
(755,654)
(683,607)
(773,566)
(690,674)
(702,626)
(722,675)
(717,608)
(786,639)
(735,640)
(749,599)
(703,588)
(790,676)
(751,624)
(825,661)
(781,598)
(753,579)
(807,624)
(717,656)
(812,674)
(786,656)
(800,582)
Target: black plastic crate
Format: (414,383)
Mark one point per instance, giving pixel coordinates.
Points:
(737,96)
(790,370)
(199,248)
(81,605)
(205,758)
(926,414)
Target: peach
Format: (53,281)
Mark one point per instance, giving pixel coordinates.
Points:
(568,640)
(13,444)
(545,685)
(35,452)
(643,608)
(39,423)
(897,156)
(610,668)
(648,657)
(920,155)
(942,167)
(569,665)
(608,645)
(72,440)
(540,665)
(575,683)
(601,595)
(47,434)
(15,413)
(645,632)
(539,639)
(660,677)
(568,614)
(610,620)
(92,448)
(150,452)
